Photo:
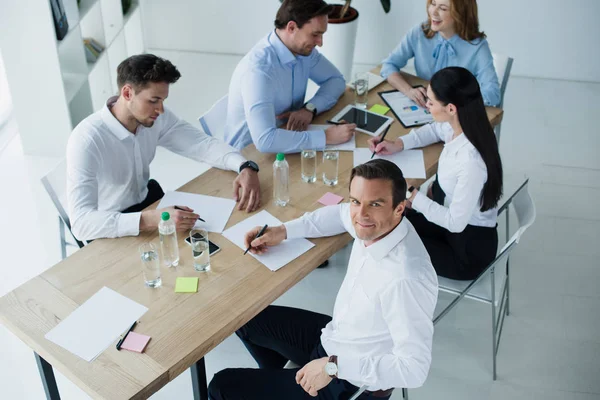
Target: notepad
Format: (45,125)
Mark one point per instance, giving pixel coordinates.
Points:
(277,256)
(411,162)
(96,324)
(214,210)
(186,285)
(135,342)
(379,109)
(329,199)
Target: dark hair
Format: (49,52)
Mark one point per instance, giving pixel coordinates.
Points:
(141,69)
(458,86)
(300,11)
(383,169)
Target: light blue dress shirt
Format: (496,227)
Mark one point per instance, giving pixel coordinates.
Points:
(437,53)
(269,81)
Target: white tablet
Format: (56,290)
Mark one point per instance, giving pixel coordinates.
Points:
(366,121)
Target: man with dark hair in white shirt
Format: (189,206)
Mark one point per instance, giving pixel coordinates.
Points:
(381,331)
(109,155)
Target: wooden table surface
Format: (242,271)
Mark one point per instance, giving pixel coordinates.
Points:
(183,327)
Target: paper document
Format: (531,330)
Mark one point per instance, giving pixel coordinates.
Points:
(214,210)
(410,161)
(406,110)
(96,324)
(350,145)
(277,256)
(374,80)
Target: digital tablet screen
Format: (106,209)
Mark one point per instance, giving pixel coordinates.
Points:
(364,120)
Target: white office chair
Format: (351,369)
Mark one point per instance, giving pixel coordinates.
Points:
(55,184)
(490,286)
(213,121)
(502,65)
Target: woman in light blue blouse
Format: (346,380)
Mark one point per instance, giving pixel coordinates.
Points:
(450,37)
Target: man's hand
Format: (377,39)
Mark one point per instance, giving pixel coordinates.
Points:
(338,134)
(312,377)
(272,236)
(385,147)
(297,120)
(184,218)
(247,182)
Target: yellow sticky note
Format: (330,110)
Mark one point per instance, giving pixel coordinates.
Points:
(379,109)
(186,285)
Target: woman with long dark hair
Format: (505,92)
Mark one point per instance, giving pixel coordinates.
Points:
(457,222)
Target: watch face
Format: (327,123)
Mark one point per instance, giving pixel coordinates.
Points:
(310,107)
(331,368)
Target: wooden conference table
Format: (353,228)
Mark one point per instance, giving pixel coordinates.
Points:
(183,327)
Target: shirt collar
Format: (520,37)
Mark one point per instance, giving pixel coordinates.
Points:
(382,247)
(283,53)
(113,124)
(457,143)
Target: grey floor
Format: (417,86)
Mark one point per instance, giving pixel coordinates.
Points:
(550,347)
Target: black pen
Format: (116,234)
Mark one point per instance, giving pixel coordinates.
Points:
(264,228)
(120,342)
(382,137)
(336,123)
(179,208)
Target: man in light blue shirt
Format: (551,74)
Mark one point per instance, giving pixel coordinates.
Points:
(266,94)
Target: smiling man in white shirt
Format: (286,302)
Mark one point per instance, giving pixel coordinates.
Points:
(381,331)
(109,155)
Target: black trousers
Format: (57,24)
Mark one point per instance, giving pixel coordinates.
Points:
(155,193)
(273,337)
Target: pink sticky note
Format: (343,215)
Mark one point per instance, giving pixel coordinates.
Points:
(135,342)
(329,199)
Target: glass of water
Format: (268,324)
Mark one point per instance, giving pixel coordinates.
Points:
(150,265)
(361,89)
(330,167)
(200,249)
(309,165)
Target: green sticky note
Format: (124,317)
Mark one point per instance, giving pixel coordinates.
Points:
(186,285)
(379,109)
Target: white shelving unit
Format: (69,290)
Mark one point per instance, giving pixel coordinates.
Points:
(52,85)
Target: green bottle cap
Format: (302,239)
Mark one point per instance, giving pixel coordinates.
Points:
(280,156)
(165,216)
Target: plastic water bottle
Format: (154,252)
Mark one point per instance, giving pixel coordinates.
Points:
(281,177)
(168,240)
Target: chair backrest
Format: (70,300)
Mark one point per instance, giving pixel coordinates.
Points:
(524,208)
(502,65)
(213,121)
(55,184)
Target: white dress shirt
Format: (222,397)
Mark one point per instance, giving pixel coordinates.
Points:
(382,327)
(108,168)
(461,175)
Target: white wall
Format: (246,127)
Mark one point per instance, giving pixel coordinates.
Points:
(547,38)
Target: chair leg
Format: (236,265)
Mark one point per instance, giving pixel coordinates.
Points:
(405,393)
(507,285)
(63,242)
(493,291)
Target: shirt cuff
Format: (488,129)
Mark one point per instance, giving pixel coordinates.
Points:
(234,161)
(318,140)
(409,140)
(129,224)
(420,202)
(349,369)
(295,228)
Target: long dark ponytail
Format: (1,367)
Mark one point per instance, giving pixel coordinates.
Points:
(458,86)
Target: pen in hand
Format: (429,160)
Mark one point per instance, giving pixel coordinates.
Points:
(120,342)
(382,137)
(181,209)
(342,122)
(260,233)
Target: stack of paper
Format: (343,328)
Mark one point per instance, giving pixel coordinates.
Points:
(276,256)
(411,162)
(214,210)
(96,324)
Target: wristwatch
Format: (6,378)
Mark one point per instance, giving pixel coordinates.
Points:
(249,164)
(312,108)
(331,367)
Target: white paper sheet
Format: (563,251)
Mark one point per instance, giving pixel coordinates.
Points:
(374,80)
(350,145)
(96,324)
(277,256)
(411,162)
(214,210)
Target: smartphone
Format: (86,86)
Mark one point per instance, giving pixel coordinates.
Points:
(212,248)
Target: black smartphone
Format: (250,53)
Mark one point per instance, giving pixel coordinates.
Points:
(212,248)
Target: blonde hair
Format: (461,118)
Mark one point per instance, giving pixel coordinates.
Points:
(466,21)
